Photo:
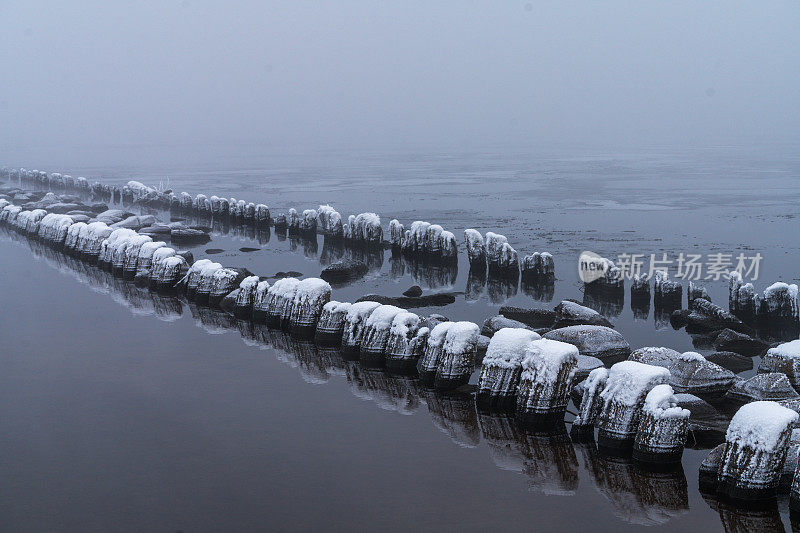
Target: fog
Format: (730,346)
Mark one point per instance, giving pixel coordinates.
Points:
(83,75)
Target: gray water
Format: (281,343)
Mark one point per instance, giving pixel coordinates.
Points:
(131,418)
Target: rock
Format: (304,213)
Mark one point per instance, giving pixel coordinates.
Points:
(783,358)
(408,302)
(248,249)
(189,236)
(413,291)
(586,363)
(732,341)
(493,324)
(343,271)
(705,421)
(213,251)
(772,386)
(732,361)
(706,316)
(483,345)
(289,274)
(569,313)
(689,372)
(679,317)
(536,318)
(598,341)
(63,207)
(228,303)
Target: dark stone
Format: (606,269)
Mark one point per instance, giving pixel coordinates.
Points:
(602,342)
(189,236)
(493,324)
(732,341)
(679,317)
(248,249)
(569,313)
(706,316)
(228,303)
(212,251)
(772,386)
(290,274)
(344,270)
(414,291)
(408,302)
(707,424)
(734,362)
(536,318)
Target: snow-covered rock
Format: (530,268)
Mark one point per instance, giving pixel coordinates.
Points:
(602,342)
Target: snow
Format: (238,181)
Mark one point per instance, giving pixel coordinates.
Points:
(173,261)
(778,288)
(494,243)
(284,288)
(162,253)
(760,425)
(312,291)
(405,324)
(249,283)
(336,307)
(660,402)
(358,312)
(382,317)
(396,232)
(448,246)
(508,255)
(199,265)
(417,233)
(461,337)
(438,334)
(544,358)
(788,350)
(148,249)
(507,347)
(597,377)
(629,382)
(690,357)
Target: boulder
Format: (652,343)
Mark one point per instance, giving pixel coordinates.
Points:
(689,372)
(732,341)
(598,341)
(772,386)
(408,302)
(343,271)
(704,421)
(536,318)
(734,362)
(586,363)
(189,236)
(413,291)
(493,324)
(569,313)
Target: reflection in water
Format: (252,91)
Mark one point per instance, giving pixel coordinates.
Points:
(638,496)
(476,284)
(548,460)
(662,313)
(607,301)
(737,519)
(640,307)
(501,288)
(425,271)
(541,289)
(455,416)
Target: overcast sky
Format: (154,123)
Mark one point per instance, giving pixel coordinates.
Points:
(403,73)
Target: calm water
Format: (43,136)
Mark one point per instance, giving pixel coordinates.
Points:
(126,411)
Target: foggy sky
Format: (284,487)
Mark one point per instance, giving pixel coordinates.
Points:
(410,73)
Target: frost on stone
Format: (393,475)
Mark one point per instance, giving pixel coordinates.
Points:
(598,341)
(476,249)
(246,297)
(281,300)
(547,372)
(330,221)
(331,321)
(663,427)
(756,445)
(591,402)
(310,297)
(355,324)
(429,362)
(780,302)
(376,334)
(261,302)
(457,358)
(627,385)
(396,233)
(399,354)
(689,372)
(538,266)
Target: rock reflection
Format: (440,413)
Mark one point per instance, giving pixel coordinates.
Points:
(608,301)
(540,290)
(637,496)
(501,288)
(739,519)
(476,284)
(455,416)
(424,271)
(391,393)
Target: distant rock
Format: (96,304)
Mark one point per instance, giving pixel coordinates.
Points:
(772,386)
(689,372)
(598,341)
(733,341)
(248,249)
(706,316)
(407,302)
(493,324)
(212,251)
(344,271)
(189,236)
(536,318)
(569,313)
(413,291)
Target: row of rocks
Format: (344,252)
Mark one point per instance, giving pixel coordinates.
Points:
(501,259)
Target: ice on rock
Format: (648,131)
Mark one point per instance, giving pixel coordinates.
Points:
(396,233)
(770,386)
(591,401)
(331,322)
(415,237)
(494,246)
(261,302)
(666,293)
(780,303)
(281,301)
(756,444)
(502,367)
(429,362)
(96,233)
(663,428)
(457,358)
(448,246)
(547,372)
(401,350)
(243,308)
(602,342)
(784,358)
(476,249)
(330,221)
(157,266)
(205,282)
(354,326)
(310,297)
(366,228)
(689,372)
(538,267)
(623,396)
(193,276)
(376,335)
(169,272)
